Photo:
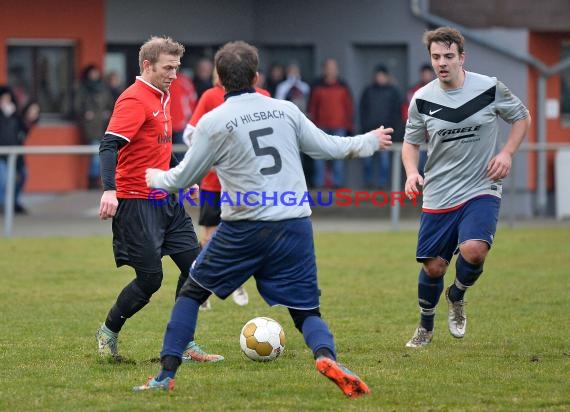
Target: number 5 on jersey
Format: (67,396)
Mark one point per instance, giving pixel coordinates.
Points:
(266,151)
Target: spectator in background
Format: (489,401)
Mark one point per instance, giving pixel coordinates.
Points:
(9,134)
(19,85)
(93,105)
(295,90)
(380,105)
(203,76)
(114,84)
(30,116)
(275,75)
(426,76)
(260,82)
(331,109)
(183,100)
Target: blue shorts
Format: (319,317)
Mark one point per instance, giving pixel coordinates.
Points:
(440,234)
(279,255)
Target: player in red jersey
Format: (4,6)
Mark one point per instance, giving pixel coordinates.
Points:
(210,187)
(146,225)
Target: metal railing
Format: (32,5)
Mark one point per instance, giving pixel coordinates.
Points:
(13,151)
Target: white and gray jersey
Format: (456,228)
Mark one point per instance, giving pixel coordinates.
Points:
(462,130)
(254,143)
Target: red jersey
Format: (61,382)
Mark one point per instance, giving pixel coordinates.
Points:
(182,101)
(141,117)
(409,95)
(210,99)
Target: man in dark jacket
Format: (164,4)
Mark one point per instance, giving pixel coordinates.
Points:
(9,134)
(380,105)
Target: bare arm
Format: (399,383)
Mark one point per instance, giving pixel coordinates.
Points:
(410,159)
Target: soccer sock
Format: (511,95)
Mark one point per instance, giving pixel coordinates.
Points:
(184,261)
(170,365)
(318,337)
(466,276)
(181,326)
(429,291)
(108,331)
(131,299)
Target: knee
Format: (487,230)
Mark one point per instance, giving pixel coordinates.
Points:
(193,290)
(435,268)
(299,316)
(474,251)
(149,283)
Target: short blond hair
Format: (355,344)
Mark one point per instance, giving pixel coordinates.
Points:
(155,46)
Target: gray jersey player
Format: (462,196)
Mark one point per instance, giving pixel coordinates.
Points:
(459,111)
(255,144)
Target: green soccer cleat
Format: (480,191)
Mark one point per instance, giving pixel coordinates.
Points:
(194,354)
(107,343)
(167,384)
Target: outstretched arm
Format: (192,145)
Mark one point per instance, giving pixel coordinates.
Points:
(319,145)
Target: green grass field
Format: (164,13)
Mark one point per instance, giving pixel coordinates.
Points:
(55,292)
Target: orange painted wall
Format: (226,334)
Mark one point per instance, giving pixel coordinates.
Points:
(546,47)
(78,20)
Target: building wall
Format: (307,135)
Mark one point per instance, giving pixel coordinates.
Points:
(546,15)
(82,22)
(334,28)
(352,32)
(203,22)
(546,48)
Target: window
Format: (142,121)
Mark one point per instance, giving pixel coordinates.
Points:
(43,71)
(565,86)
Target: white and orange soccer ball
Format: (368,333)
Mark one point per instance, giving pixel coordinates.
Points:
(262,339)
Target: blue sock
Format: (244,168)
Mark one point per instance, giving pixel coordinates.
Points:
(429,291)
(181,327)
(163,374)
(318,336)
(466,274)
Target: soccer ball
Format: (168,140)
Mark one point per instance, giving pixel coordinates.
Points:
(262,339)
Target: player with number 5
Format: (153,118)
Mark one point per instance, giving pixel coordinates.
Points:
(255,142)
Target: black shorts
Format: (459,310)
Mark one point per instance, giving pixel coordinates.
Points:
(144,232)
(210,209)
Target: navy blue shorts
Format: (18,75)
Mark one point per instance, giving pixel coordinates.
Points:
(440,234)
(144,232)
(279,255)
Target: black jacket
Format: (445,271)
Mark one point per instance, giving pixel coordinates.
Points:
(381,106)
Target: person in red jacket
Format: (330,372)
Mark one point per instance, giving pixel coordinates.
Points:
(210,187)
(426,75)
(331,109)
(183,100)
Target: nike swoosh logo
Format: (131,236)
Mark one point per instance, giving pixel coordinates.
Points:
(458,114)
(156,113)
